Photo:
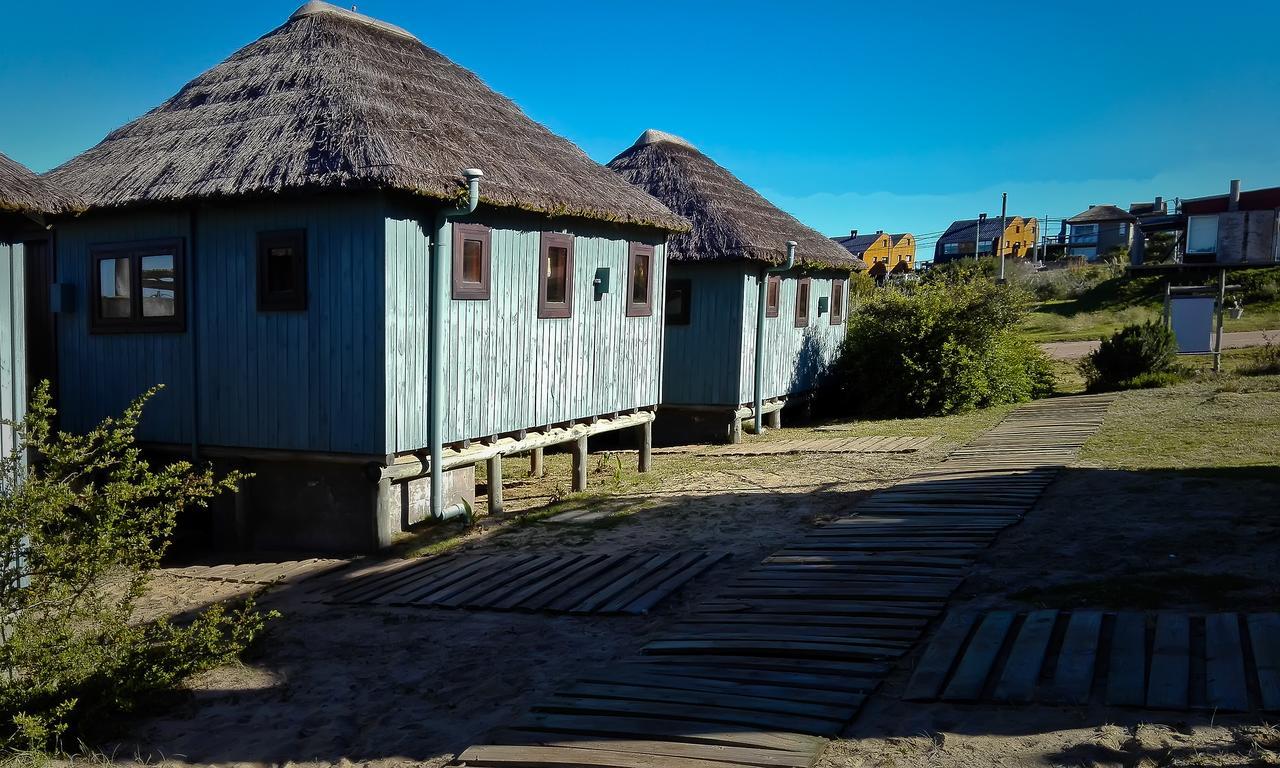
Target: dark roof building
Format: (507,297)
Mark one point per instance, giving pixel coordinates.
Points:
(1236,228)
(859,244)
(962,236)
(1097,214)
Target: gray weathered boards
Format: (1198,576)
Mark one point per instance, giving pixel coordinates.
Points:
(784,655)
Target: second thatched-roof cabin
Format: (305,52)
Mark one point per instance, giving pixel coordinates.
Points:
(723,359)
(358,271)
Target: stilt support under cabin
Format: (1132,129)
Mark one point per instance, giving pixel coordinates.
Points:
(773,419)
(580,464)
(646,446)
(494,478)
(684,424)
(535,463)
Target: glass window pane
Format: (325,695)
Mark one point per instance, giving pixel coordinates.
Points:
(1202,234)
(280,272)
(557,274)
(159,286)
(675,301)
(472,261)
(837,299)
(640,280)
(113,288)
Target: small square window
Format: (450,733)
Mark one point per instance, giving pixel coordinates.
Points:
(282,271)
(802,303)
(837,302)
(640,281)
(679,298)
(773,296)
(137,288)
(472,262)
(555,276)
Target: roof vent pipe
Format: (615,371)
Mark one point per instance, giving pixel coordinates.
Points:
(435,332)
(853,233)
(761,292)
(1233,201)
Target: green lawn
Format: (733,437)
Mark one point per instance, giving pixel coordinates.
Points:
(1060,320)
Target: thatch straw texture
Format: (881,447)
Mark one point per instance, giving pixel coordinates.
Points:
(336,100)
(731,221)
(23,192)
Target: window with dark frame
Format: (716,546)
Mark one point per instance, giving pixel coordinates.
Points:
(802,303)
(472,262)
(282,271)
(640,280)
(679,298)
(555,276)
(773,295)
(138,287)
(837,301)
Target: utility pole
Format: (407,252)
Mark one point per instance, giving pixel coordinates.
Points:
(977,236)
(1004,202)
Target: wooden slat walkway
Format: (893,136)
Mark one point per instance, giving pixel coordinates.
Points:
(874,444)
(629,583)
(263,573)
(783,657)
(1129,659)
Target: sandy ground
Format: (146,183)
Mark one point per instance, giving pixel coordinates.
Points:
(1072,350)
(390,686)
(1101,539)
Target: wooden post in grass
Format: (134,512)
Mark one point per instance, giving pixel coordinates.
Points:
(646,446)
(580,464)
(495,483)
(535,463)
(1222,302)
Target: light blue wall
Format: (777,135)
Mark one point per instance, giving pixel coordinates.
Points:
(700,360)
(290,380)
(794,357)
(13,342)
(506,369)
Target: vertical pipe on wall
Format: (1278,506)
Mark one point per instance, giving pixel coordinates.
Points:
(193,331)
(760,305)
(439,291)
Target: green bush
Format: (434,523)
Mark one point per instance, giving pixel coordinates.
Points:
(945,345)
(1258,285)
(81,529)
(1131,357)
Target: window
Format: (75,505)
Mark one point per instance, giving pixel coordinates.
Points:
(1202,234)
(837,302)
(471,262)
(282,271)
(640,281)
(137,288)
(984,246)
(951,248)
(679,296)
(802,303)
(1123,230)
(555,276)
(1084,234)
(772,295)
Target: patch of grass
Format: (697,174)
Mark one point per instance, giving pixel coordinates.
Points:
(1142,590)
(1210,421)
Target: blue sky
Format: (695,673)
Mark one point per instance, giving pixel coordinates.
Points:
(900,116)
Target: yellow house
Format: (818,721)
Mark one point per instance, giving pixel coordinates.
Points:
(875,249)
(958,242)
(902,256)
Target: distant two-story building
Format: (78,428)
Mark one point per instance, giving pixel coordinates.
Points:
(903,254)
(880,251)
(1101,230)
(966,236)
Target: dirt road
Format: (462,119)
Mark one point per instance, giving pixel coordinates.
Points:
(1073,350)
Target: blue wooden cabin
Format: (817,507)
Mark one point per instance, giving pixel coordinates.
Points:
(720,366)
(284,244)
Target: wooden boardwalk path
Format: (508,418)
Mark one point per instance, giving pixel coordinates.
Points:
(871,444)
(558,583)
(783,657)
(1225,662)
(263,573)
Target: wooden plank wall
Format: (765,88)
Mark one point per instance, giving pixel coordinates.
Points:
(700,360)
(13,342)
(507,369)
(308,380)
(794,356)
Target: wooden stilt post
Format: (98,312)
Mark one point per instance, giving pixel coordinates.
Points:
(646,446)
(580,464)
(535,463)
(735,428)
(1217,338)
(495,484)
(773,419)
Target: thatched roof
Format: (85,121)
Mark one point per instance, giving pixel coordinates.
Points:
(731,220)
(24,193)
(336,100)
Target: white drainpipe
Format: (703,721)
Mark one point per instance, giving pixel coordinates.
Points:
(435,331)
(760,304)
